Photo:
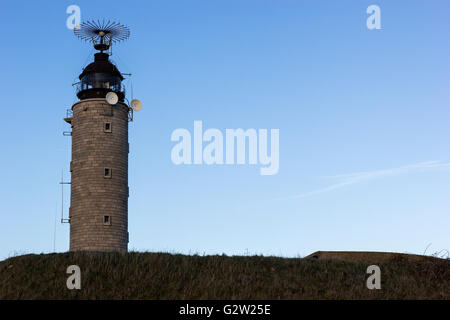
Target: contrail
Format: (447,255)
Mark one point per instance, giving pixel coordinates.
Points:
(353,178)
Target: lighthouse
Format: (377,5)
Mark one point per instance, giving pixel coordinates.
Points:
(98,213)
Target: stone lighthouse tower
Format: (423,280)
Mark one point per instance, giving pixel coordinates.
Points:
(98,213)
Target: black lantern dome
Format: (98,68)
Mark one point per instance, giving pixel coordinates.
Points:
(101,76)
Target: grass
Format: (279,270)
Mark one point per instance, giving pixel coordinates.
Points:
(173,276)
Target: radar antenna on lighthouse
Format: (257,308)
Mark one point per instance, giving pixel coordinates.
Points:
(102,33)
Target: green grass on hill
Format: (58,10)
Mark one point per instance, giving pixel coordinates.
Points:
(173,276)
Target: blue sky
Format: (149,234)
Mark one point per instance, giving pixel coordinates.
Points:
(363,119)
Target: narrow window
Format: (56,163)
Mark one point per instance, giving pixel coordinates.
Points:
(107,127)
(107,172)
(107,220)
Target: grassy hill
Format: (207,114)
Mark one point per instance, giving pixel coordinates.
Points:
(322,275)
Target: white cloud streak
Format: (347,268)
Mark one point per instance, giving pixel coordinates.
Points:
(354,178)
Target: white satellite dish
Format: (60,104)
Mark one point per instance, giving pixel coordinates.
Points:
(136,105)
(112,98)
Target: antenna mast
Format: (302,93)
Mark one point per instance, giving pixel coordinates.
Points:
(103,33)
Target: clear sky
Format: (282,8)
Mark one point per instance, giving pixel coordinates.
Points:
(363,118)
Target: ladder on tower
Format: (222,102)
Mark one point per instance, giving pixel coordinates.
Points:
(62,183)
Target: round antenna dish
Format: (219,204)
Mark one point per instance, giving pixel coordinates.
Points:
(136,105)
(112,98)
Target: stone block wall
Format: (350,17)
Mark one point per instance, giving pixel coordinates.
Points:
(99,185)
